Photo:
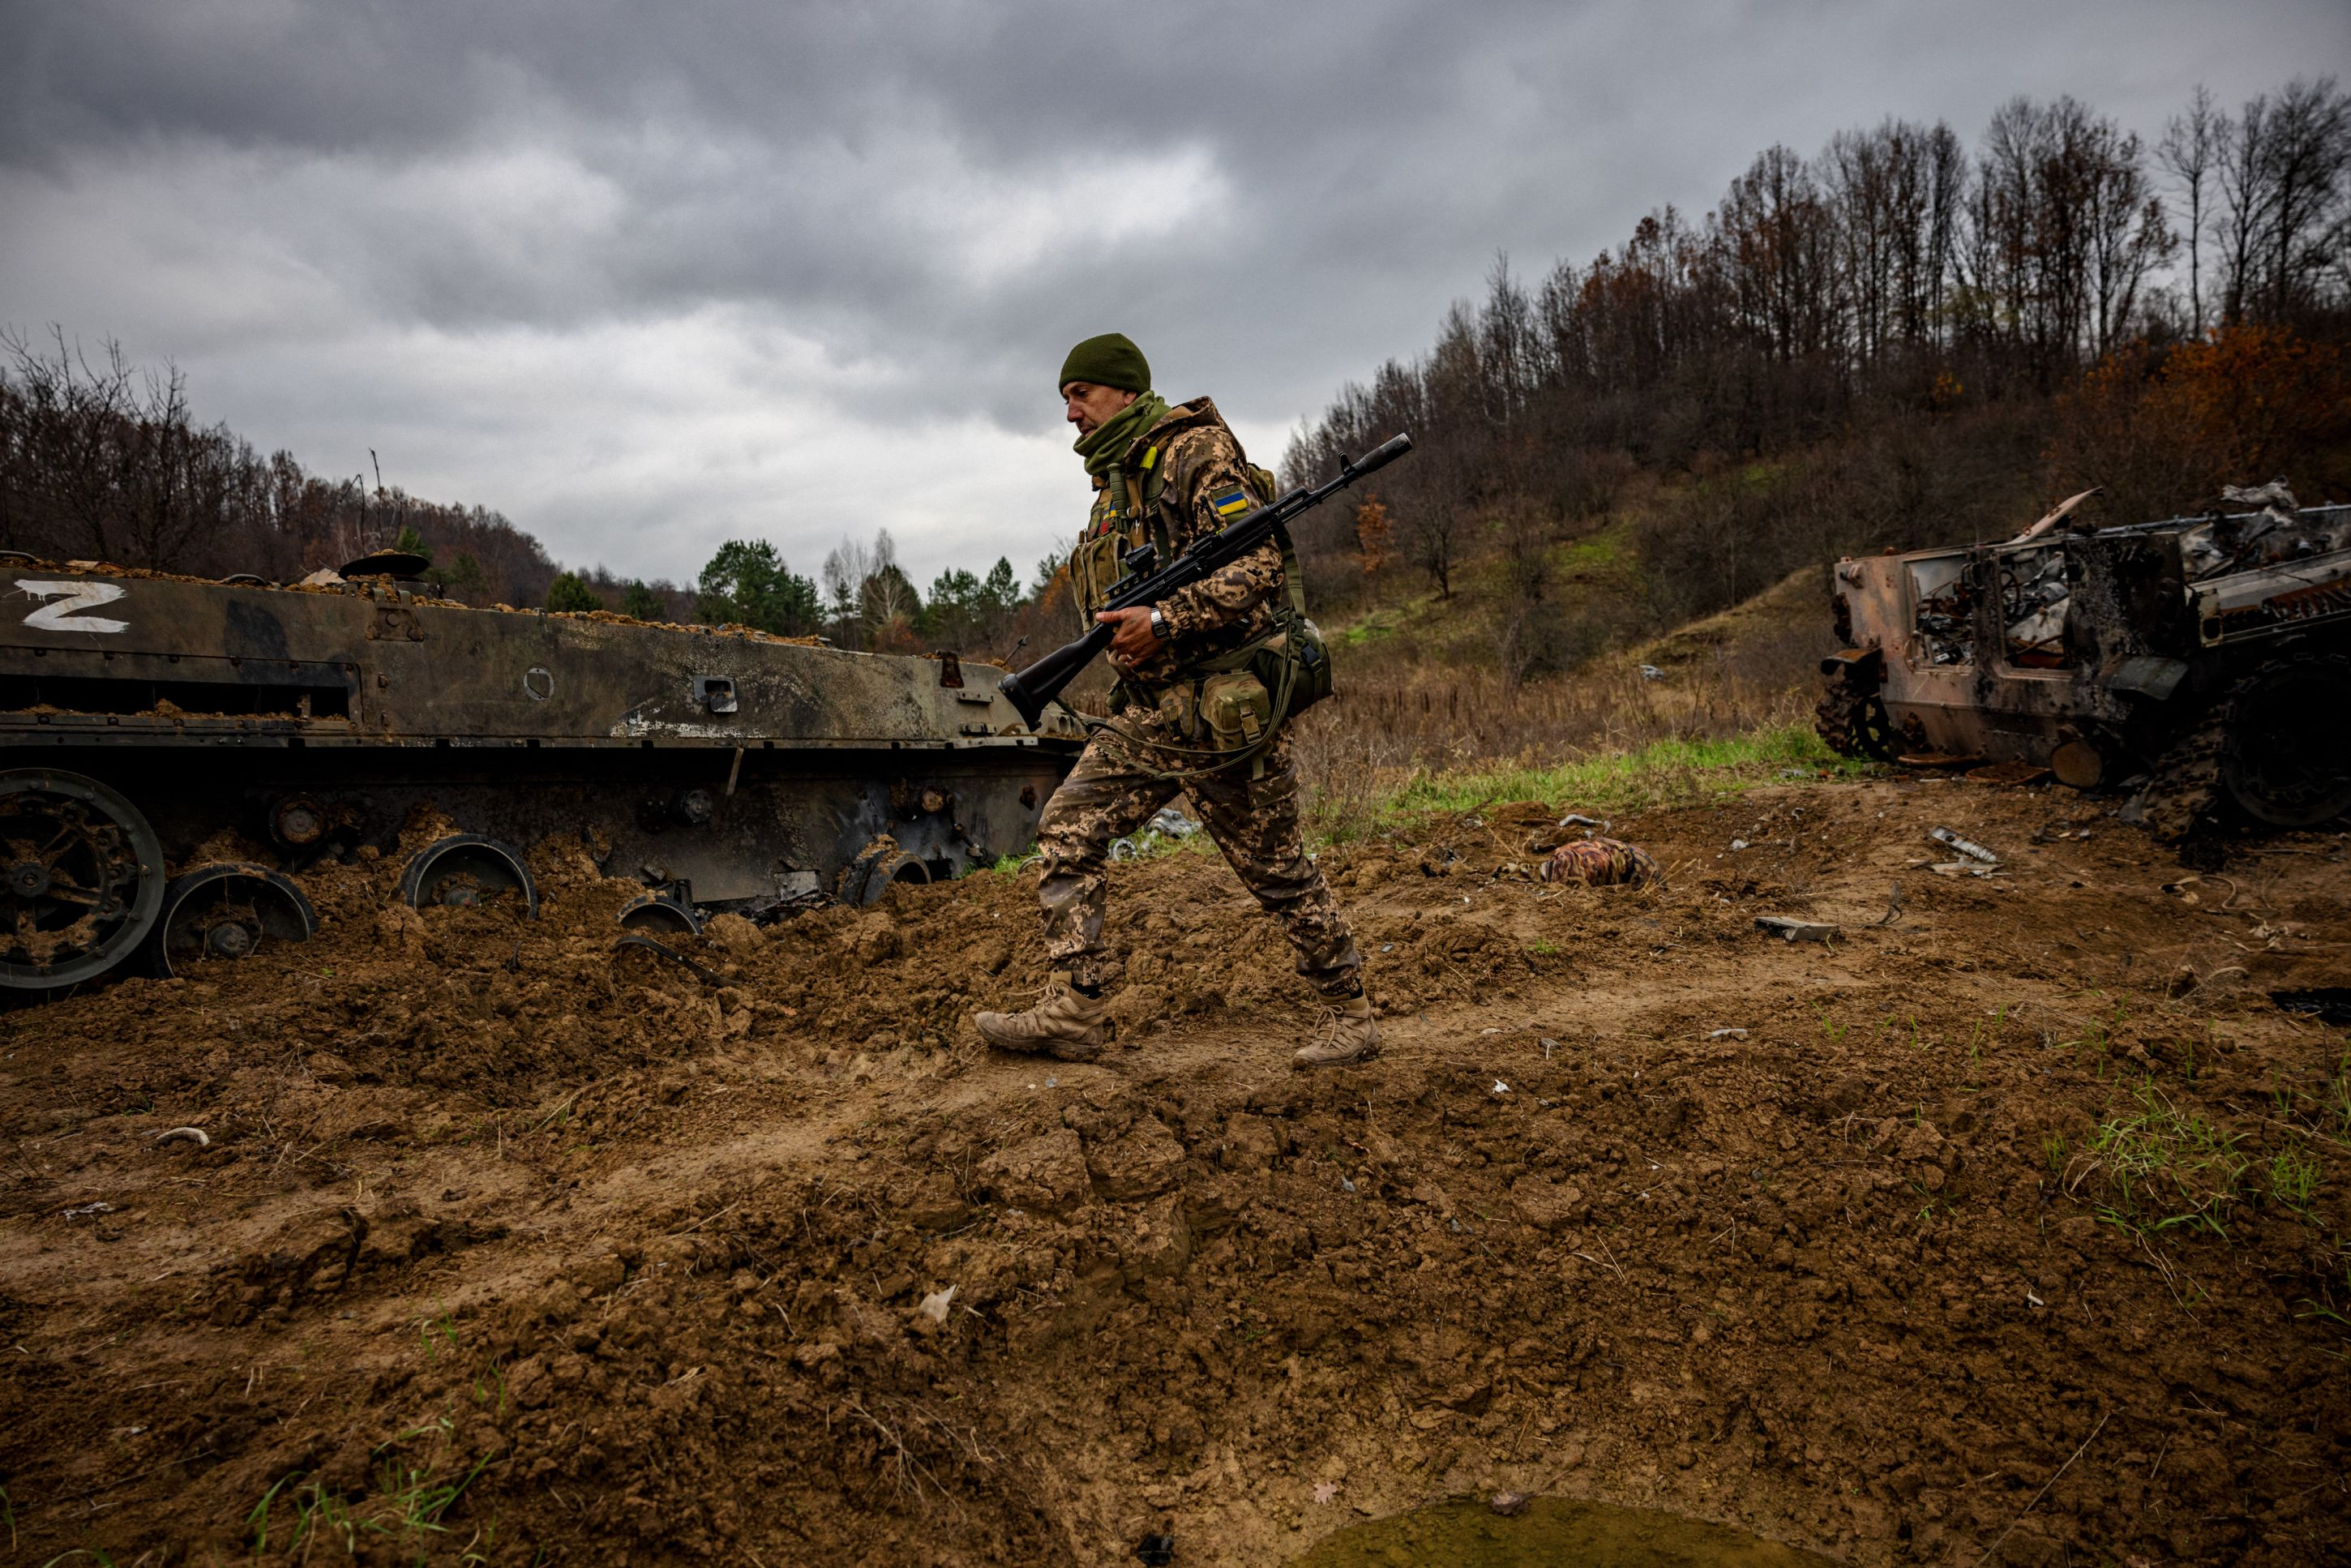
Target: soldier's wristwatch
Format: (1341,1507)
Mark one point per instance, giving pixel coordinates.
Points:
(1159,627)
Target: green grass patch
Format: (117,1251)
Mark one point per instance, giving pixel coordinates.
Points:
(1662,773)
(1375,627)
(2168,1165)
(1607,551)
(402,1510)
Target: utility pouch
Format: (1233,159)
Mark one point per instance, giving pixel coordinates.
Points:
(1094,569)
(1311,683)
(1180,705)
(1236,710)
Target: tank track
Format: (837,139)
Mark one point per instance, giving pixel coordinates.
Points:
(1852,726)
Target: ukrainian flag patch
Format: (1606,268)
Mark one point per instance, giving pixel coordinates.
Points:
(1230,504)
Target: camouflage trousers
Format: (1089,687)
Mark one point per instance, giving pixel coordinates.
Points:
(1117,786)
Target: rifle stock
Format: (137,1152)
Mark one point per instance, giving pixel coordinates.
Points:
(1030,689)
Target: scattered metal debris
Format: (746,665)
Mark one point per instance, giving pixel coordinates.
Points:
(195,1136)
(89,1209)
(1166,823)
(639,939)
(1157,1550)
(1789,929)
(1725,1034)
(1893,906)
(2328,1004)
(1967,847)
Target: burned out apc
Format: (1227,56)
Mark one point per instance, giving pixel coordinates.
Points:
(150,720)
(2204,661)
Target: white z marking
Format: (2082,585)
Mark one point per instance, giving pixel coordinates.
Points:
(78,596)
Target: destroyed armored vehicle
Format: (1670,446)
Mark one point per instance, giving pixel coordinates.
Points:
(177,752)
(2204,661)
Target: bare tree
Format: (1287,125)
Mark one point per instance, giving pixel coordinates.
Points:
(2189,151)
(2283,179)
(1774,229)
(885,593)
(846,567)
(2309,156)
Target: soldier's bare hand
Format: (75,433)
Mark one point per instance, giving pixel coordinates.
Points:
(1133,641)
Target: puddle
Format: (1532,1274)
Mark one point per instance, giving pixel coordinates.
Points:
(1552,1532)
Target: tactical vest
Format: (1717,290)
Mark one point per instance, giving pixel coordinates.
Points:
(1126,514)
(1231,703)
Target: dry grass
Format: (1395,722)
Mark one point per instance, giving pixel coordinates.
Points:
(1407,734)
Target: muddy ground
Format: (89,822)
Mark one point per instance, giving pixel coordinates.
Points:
(509,1248)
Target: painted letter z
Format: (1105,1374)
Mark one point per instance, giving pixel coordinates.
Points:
(59,616)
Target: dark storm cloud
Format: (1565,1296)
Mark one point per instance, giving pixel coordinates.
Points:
(879,224)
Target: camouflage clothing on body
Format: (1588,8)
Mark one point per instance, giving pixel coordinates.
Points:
(1182,479)
(1184,466)
(1116,787)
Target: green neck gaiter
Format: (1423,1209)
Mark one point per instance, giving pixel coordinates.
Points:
(1108,444)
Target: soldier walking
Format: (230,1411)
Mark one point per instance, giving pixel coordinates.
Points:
(1195,710)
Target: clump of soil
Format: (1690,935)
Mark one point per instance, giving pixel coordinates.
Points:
(2014,1220)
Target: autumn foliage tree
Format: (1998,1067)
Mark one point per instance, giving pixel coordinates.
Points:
(1373,530)
(2163,430)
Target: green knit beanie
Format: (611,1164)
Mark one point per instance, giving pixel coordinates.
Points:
(1109,360)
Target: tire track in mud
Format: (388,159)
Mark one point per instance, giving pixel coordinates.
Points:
(654,1255)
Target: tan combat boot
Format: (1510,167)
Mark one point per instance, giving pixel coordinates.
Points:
(1066,1024)
(1351,1038)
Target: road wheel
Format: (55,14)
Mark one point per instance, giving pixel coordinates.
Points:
(81,878)
(464,870)
(228,911)
(2285,755)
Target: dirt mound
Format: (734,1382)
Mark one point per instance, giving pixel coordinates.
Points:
(2013,1221)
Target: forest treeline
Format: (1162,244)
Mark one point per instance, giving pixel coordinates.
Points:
(1899,340)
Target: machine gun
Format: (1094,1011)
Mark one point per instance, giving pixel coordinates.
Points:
(1148,582)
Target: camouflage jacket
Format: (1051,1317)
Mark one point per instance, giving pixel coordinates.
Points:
(1203,481)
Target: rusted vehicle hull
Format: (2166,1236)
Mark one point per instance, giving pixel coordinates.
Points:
(728,769)
(2190,658)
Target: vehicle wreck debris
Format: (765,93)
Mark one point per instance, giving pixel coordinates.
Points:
(2195,659)
(152,720)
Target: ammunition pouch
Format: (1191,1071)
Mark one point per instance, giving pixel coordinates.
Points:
(1095,569)
(1236,711)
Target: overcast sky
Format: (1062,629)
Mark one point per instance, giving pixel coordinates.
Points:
(648,277)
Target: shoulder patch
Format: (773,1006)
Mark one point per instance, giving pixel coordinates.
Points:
(1230,503)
